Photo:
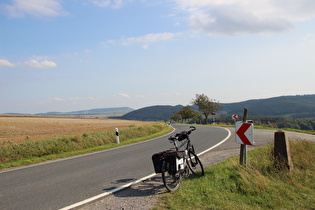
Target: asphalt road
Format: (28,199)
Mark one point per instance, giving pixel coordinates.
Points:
(145,194)
(57,184)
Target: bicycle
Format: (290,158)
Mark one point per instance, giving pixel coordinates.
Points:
(175,164)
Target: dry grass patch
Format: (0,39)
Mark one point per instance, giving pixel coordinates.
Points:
(20,129)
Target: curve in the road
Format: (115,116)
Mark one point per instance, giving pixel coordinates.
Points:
(75,205)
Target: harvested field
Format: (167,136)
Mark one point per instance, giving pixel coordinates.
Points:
(19,129)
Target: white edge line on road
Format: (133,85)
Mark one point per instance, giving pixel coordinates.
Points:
(134,182)
(221,142)
(107,193)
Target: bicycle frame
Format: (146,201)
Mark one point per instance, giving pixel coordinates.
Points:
(187,142)
(175,167)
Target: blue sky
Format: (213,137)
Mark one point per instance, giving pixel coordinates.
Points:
(66,55)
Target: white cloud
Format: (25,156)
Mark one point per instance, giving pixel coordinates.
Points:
(20,8)
(177,94)
(39,64)
(245,16)
(76,98)
(31,64)
(109,3)
(93,98)
(124,95)
(88,98)
(6,63)
(101,3)
(309,39)
(145,40)
(108,43)
(148,38)
(145,46)
(56,99)
(140,96)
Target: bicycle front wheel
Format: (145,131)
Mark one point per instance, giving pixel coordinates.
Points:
(195,164)
(171,180)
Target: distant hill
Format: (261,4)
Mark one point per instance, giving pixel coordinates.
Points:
(152,113)
(301,106)
(101,111)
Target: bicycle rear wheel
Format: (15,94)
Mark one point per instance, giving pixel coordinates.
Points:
(171,180)
(195,164)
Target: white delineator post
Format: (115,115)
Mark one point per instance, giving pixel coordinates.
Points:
(117,136)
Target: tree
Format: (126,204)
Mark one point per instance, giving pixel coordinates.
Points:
(176,117)
(188,113)
(205,105)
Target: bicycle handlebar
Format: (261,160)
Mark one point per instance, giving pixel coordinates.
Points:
(192,129)
(182,135)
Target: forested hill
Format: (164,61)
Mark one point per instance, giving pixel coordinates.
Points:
(301,106)
(152,113)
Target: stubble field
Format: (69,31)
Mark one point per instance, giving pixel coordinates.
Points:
(19,129)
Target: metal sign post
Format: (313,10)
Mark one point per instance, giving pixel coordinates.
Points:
(235,117)
(244,131)
(243,152)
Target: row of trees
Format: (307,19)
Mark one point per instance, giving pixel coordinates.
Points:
(205,105)
(276,122)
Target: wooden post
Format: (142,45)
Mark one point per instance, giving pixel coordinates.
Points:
(243,152)
(282,156)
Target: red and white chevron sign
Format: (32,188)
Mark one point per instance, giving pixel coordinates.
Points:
(235,116)
(244,133)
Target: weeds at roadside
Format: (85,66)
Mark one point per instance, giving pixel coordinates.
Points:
(36,151)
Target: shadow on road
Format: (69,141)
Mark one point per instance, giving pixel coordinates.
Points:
(150,187)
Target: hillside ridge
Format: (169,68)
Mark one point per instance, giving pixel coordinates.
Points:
(97,111)
(299,106)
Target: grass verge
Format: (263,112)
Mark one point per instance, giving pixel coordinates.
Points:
(227,185)
(269,128)
(42,150)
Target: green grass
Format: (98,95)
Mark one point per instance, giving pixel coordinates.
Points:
(38,151)
(227,185)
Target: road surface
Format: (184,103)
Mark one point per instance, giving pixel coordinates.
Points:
(58,184)
(143,196)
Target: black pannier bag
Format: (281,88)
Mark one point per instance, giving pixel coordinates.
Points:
(157,162)
(171,157)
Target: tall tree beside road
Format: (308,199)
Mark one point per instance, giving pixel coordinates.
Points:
(206,106)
